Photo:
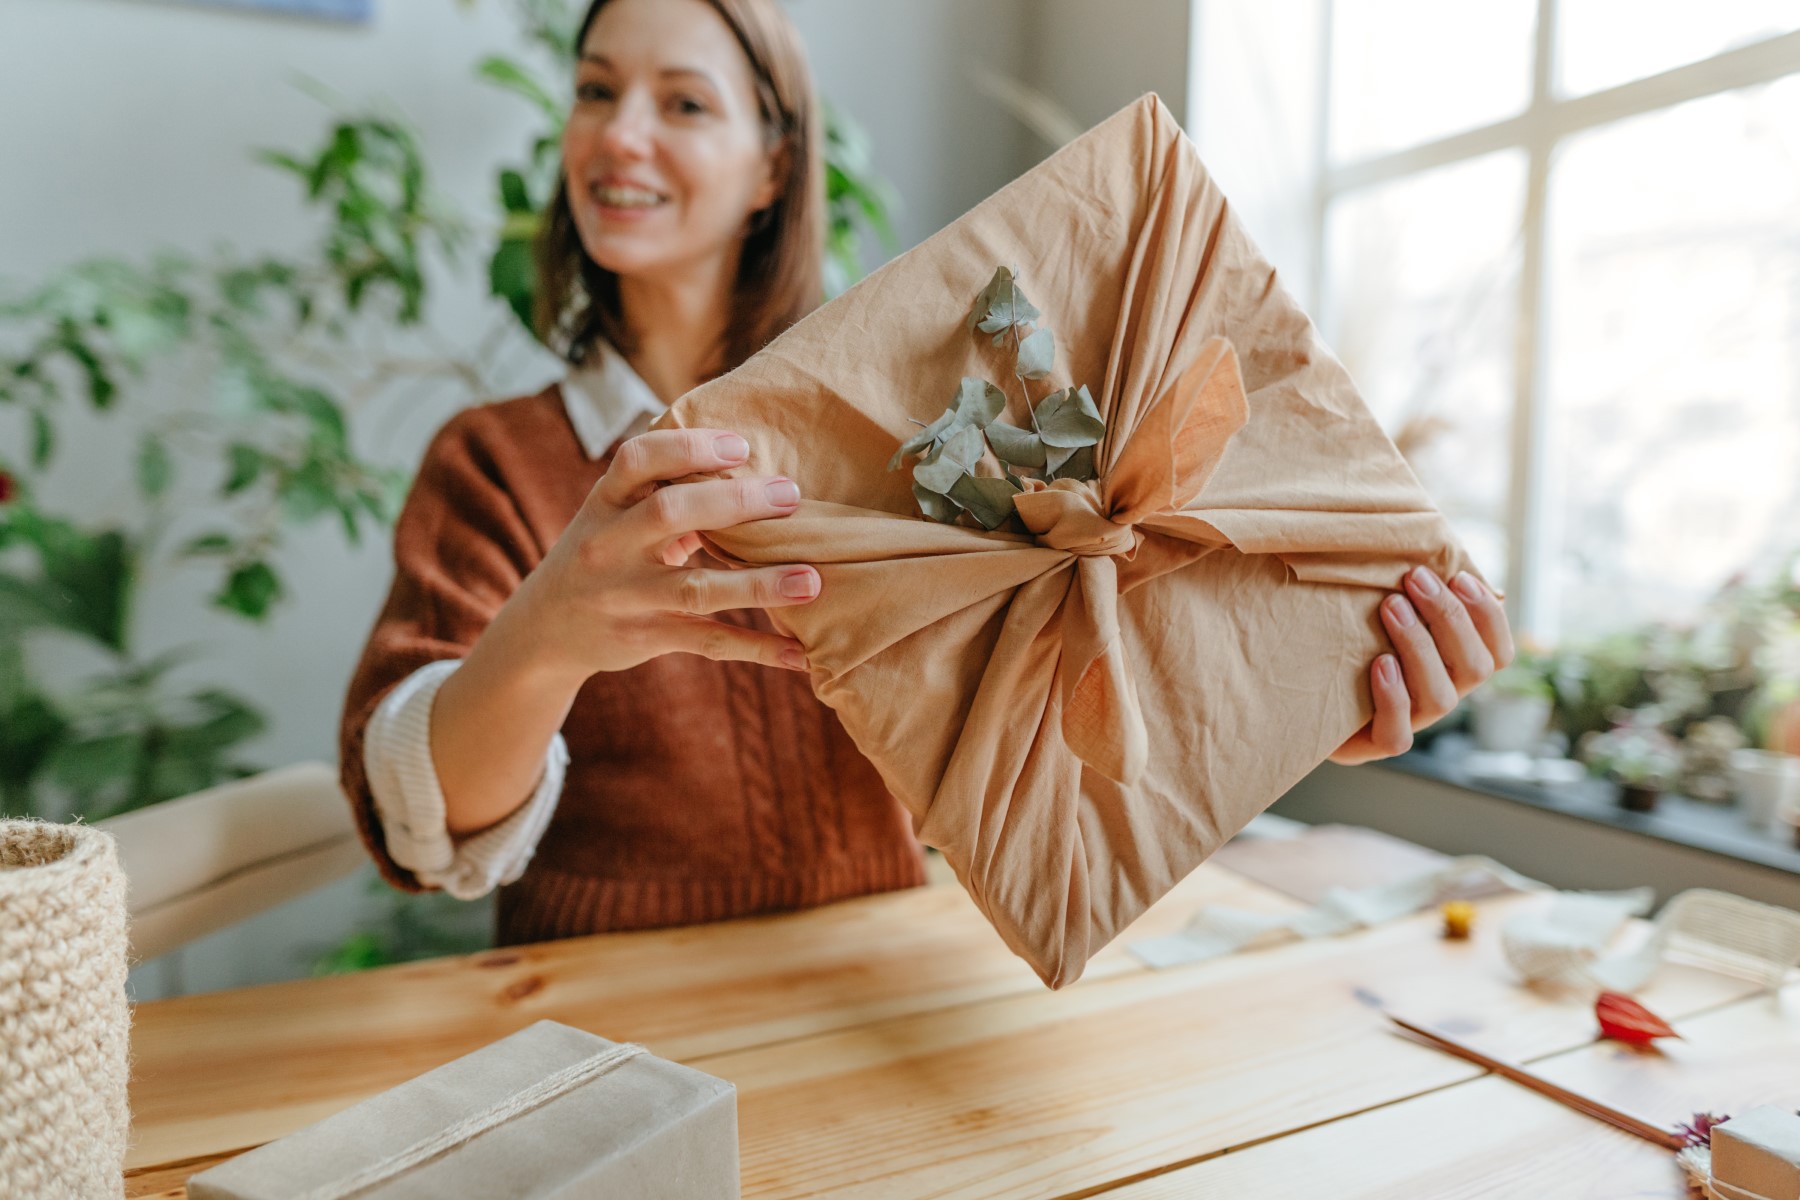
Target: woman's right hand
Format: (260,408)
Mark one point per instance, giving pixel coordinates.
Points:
(618,587)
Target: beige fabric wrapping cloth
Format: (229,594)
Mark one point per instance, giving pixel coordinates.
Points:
(1078,719)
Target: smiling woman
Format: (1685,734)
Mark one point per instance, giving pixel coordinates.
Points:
(678,152)
(562,694)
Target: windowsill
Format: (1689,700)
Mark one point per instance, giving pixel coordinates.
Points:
(1713,828)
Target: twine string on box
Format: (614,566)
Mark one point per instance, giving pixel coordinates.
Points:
(425,1149)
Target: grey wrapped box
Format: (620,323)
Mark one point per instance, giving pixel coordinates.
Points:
(550,1113)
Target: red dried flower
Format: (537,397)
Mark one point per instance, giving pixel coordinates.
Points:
(6,487)
(1698,1132)
(1625,1020)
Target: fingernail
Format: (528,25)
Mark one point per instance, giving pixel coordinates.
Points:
(1402,612)
(800,585)
(1468,587)
(1425,581)
(731,447)
(1388,667)
(793,659)
(784,493)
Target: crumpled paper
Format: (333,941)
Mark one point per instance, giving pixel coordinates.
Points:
(1079,715)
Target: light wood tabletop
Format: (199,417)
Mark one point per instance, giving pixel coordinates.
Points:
(892,1047)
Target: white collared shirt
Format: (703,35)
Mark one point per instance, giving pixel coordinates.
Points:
(605,401)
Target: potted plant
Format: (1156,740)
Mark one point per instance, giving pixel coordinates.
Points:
(1512,710)
(1637,754)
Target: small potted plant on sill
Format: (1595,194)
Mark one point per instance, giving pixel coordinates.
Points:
(1512,711)
(1638,755)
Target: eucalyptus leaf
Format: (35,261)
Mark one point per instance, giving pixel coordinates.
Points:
(918,441)
(1079,465)
(1002,305)
(938,472)
(1037,354)
(978,402)
(951,461)
(1069,418)
(965,447)
(938,508)
(1014,446)
(989,501)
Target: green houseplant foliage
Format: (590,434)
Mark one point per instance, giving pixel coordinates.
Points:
(272,441)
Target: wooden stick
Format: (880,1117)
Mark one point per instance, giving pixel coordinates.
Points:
(1630,1123)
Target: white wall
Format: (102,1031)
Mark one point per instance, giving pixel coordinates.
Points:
(1095,58)
(903,69)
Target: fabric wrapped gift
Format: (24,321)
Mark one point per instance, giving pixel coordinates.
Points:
(550,1113)
(1079,713)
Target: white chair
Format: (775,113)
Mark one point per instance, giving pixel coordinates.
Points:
(205,861)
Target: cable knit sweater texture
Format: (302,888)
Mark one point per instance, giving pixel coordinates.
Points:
(695,790)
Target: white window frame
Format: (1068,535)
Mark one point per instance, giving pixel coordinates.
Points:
(1538,131)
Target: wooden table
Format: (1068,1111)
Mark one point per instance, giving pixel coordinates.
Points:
(892,1047)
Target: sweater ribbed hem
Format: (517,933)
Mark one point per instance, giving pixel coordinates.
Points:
(547,904)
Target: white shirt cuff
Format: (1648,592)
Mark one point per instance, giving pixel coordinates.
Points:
(410,801)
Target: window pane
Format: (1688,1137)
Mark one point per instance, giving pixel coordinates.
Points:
(1421,303)
(1405,72)
(1603,43)
(1674,354)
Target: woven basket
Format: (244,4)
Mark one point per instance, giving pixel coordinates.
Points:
(64,1021)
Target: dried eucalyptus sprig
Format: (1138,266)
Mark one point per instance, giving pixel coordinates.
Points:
(1065,425)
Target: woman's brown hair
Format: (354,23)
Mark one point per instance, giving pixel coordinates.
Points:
(780,275)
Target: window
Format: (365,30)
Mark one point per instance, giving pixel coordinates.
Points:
(1557,243)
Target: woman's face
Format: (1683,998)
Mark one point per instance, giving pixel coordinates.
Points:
(664,152)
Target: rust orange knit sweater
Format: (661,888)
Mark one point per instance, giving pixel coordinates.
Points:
(696,790)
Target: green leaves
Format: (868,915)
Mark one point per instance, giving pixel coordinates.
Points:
(978,402)
(857,201)
(989,501)
(927,436)
(508,75)
(1016,447)
(512,276)
(371,175)
(155,470)
(83,583)
(1069,418)
(250,590)
(1077,463)
(949,461)
(1037,354)
(129,742)
(1066,424)
(1001,306)
(935,505)
(244,463)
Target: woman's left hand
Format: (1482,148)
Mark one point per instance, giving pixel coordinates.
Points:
(1448,640)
